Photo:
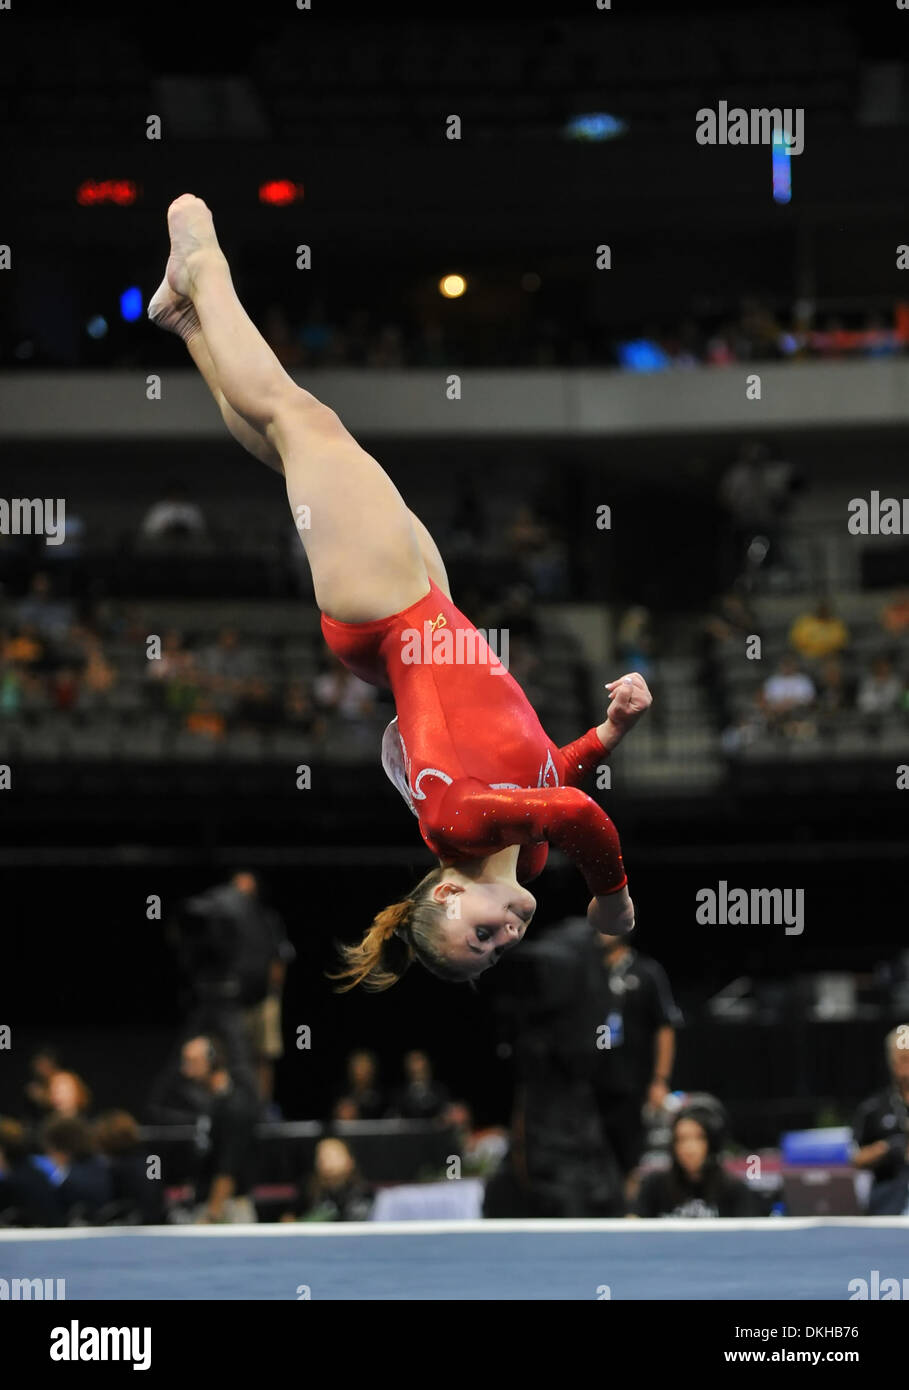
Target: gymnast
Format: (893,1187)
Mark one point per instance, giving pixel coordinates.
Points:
(489,789)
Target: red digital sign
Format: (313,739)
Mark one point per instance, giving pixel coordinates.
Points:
(280,193)
(119,192)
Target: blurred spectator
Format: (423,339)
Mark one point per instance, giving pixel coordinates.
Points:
(277,332)
(579,1091)
(98,675)
(539,555)
(179,1095)
(879,693)
(895,616)
(205,720)
(695,1185)
(337,690)
(633,997)
(388,348)
(42,1066)
(68,1096)
(226,659)
(173,517)
(834,696)
(225,1140)
(421,1097)
(362,1090)
(786,698)
(336,1191)
(819,634)
(745,492)
(81,1176)
(27,1195)
(39,610)
(299,713)
(136,1198)
(481,1150)
(881,1132)
(634,641)
(234,952)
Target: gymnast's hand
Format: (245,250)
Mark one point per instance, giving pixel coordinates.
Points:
(629,699)
(612,915)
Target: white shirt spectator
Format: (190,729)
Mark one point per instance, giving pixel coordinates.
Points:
(793,688)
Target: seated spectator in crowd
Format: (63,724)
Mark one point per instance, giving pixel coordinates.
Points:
(205,720)
(173,517)
(895,617)
(337,690)
(24,648)
(421,1097)
(879,693)
(42,1065)
(335,1191)
(256,707)
(695,1184)
(98,675)
(27,1195)
(180,1095)
(481,1150)
(299,713)
(881,1132)
(138,1199)
(68,1095)
(226,660)
(819,634)
(834,695)
(786,698)
(81,1176)
(363,1090)
(49,617)
(634,641)
(539,555)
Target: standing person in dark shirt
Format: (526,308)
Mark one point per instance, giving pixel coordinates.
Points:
(696,1184)
(881,1131)
(631,996)
(421,1097)
(234,953)
(27,1195)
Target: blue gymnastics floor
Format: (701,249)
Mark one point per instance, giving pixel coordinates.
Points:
(770,1259)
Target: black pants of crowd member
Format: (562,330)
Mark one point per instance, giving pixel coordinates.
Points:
(560,1163)
(623,1128)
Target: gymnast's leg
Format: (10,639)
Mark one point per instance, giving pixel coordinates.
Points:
(360,537)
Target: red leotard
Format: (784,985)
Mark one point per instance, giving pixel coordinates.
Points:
(468,753)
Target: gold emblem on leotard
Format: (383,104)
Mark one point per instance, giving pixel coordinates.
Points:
(439,621)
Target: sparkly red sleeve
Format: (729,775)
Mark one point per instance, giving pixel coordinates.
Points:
(472,819)
(581,757)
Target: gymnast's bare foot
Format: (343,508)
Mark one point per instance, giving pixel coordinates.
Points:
(192,239)
(173,313)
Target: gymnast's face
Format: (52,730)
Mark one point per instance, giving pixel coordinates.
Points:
(482,920)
